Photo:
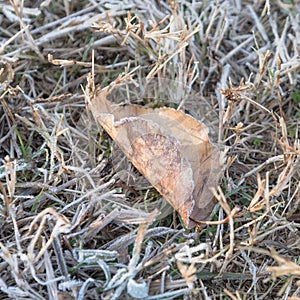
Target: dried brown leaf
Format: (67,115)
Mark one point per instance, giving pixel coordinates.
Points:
(171,149)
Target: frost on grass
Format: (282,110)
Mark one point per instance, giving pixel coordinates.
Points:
(77,220)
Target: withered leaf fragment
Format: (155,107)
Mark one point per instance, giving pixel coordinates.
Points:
(171,149)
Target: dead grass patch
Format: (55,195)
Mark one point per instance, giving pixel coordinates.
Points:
(76,226)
